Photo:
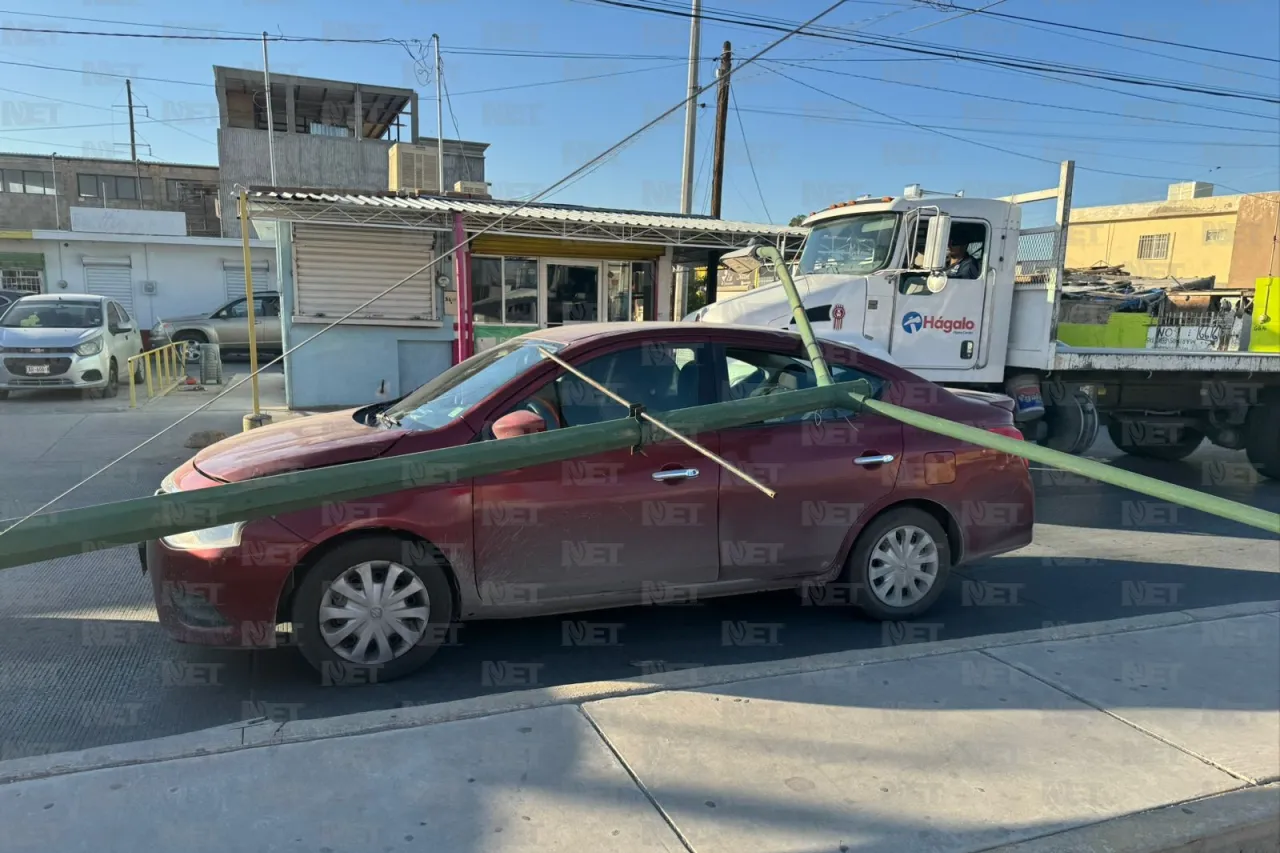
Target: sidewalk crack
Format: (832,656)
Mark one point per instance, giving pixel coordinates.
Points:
(1130,723)
(635,779)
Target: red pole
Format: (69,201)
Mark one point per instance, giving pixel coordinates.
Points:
(462,280)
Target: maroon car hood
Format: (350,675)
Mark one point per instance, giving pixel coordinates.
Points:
(307,442)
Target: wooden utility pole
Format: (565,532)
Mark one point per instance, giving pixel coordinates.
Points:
(133,146)
(717,163)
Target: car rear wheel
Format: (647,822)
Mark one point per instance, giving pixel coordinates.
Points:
(899,565)
(372,610)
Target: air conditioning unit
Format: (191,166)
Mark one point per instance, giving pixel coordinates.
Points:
(413,168)
(472,188)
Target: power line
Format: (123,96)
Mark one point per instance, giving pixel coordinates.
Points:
(88,73)
(1061,25)
(746,146)
(457,131)
(1051,135)
(979,57)
(570,79)
(956,138)
(1026,103)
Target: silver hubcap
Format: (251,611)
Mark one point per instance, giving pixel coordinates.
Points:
(374,612)
(904,566)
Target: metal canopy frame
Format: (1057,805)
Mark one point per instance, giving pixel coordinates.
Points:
(338,210)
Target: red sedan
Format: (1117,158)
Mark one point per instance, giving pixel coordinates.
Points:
(867,511)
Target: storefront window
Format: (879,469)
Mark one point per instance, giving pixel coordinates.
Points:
(642,277)
(618,280)
(520,290)
(486,290)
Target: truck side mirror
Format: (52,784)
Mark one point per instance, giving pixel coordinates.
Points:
(935,245)
(936,282)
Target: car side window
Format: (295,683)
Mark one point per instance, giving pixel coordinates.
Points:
(235,310)
(761,373)
(113,317)
(268,307)
(660,376)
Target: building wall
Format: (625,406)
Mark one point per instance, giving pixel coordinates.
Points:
(353,365)
(317,162)
(24,211)
(189,278)
(1257,244)
(1201,235)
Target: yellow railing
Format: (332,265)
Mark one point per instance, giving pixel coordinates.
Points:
(170,370)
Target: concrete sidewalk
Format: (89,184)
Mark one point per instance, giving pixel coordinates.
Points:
(1146,734)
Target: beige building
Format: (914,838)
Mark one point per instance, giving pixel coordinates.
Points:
(1191,234)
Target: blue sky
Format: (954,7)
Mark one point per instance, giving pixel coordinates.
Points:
(808,149)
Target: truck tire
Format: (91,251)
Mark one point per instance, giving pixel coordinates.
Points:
(1072,425)
(1188,440)
(1262,437)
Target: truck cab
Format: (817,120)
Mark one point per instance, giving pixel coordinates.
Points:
(866,275)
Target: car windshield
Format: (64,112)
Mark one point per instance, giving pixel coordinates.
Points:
(859,245)
(53,315)
(454,392)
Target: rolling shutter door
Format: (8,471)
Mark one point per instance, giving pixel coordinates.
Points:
(233,274)
(113,280)
(534,247)
(338,268)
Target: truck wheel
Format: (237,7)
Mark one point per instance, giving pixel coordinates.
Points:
(1072,425)
(1180,445)
(1262,437)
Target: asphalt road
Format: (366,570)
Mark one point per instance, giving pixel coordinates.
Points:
(82,662)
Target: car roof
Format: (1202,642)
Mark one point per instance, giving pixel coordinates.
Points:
(67,297)
(581,332)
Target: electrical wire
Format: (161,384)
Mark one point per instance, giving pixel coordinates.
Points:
(457,131)
(616,147)
(954,91)
(746,146)
(1184,45)
(979,57)
(571,79)
(956,138)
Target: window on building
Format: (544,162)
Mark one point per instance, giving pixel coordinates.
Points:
(1153,247)
(178,190)
(27,181)
(113,187)
(504,291)
(1217,235)
(28,280)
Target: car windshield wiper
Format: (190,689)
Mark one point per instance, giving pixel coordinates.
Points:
(386,420)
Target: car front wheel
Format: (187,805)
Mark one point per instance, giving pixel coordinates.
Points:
(899,565)
(372,610)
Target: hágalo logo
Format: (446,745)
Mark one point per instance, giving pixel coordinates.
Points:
(914,322)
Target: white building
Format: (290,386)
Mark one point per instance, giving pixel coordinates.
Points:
(142,259)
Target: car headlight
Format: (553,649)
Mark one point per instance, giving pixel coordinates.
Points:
(222,536)
(92,347)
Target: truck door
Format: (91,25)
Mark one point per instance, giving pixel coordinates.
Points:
(943,330)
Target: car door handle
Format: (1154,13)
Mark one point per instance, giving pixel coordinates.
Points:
(883,459)
(677,474)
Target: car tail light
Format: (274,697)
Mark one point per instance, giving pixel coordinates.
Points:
(1011,432)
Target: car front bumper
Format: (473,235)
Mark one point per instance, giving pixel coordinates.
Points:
(223,597)
(63,369)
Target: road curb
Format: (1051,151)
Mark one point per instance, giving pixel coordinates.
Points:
(1246,820)
(256,734)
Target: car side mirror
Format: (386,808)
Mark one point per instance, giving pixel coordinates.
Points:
(517,424)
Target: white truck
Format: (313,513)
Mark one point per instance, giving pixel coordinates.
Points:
(873,273)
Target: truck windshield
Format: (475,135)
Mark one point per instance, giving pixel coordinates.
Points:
(859,245)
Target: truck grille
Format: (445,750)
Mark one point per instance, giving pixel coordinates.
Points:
(18,366)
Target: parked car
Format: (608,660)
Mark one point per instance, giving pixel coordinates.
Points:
(67,341)
(868,512)
(228,327)
(8,297)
